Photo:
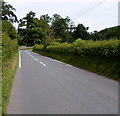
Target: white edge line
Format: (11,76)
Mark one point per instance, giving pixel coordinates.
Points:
(59,62)
(19,60)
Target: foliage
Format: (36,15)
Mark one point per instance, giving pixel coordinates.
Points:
(55,43)
(78,42)
(106,34)
(7,12)
(38,47)
(106,48)
(57,27)
(8,28)
(9,47)
(81,32)
(9,51)
(48,29)
(32,30)
(61,27)
(28,20)
(46,18)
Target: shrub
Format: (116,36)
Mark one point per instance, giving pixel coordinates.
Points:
(78,42)
(8,29)
(38,47)
(55,43)
(106,48)
(9,47)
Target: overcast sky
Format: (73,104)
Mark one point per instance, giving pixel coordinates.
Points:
(95,14)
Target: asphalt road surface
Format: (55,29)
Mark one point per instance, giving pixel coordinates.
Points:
(46,86)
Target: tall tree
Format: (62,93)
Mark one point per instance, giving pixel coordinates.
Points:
(33,30)
(46,18)
(8,17)
(27,21)
(61,27)
(81,32)
(8,12)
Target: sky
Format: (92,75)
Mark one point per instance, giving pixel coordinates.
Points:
(95,14)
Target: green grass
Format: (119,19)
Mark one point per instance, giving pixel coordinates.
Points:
(22,46)
(8,71)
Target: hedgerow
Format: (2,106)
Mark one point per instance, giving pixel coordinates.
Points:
(106,48)
(9,47)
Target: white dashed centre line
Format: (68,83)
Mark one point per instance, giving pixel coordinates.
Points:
(35,59)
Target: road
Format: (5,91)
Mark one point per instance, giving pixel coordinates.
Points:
(46,86)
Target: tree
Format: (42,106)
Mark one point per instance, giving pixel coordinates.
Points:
(8,28)
(8,12)
(25,24)
(109,33)
(32,30)
(61,27)
(106,34)
(46,18)
(94,35)
(27,21)
(81,32)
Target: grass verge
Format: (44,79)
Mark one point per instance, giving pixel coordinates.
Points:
(26,48)
(9,68)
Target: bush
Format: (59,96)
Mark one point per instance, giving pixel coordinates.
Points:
(55,43)
(8,29)
(106,48)
(9,47)
(78,42)
(38,47)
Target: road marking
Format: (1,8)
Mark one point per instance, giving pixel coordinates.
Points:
(59,62)
(68,65)
(36,59)
(53,60)
(27,52)
(19,60)
(49,59)
(42,63)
